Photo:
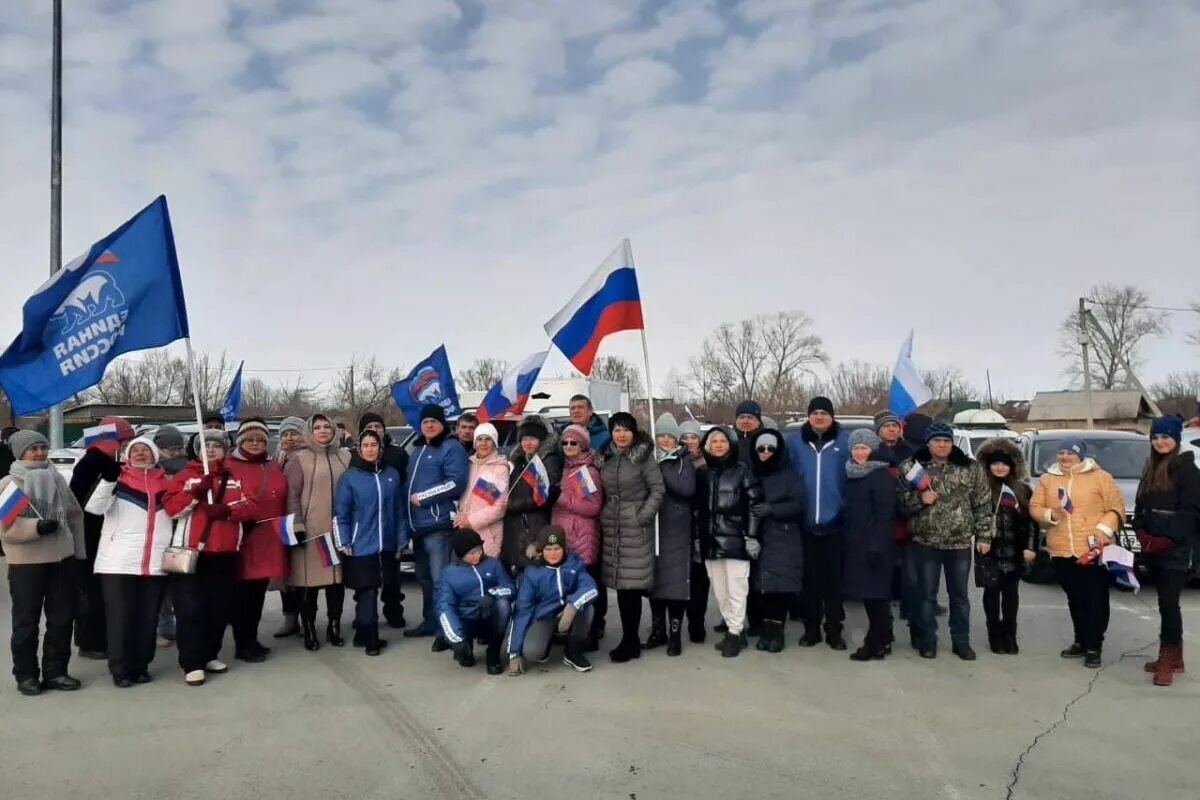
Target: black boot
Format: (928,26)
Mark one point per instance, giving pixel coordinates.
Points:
(309,628)
(658,629)
(995,638)
(375,645)
(675,637)
(494,665)
(627,650)
(333,633)
(1010,639)
(833,637)
(778,642)
(697,633)
(811,637)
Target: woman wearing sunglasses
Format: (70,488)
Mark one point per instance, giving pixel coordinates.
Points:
(577,512)
(781,565)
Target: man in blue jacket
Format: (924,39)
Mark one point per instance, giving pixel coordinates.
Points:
(556,595)
(437,475)
(819,454)
(474,601)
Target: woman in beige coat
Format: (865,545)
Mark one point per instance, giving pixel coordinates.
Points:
(312,476)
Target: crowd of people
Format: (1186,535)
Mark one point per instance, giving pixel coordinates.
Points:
(156,540)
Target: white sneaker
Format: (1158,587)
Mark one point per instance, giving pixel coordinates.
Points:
(195,677)
(216,667)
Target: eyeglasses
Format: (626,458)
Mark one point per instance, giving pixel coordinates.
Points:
(569,443)
(254,440)
(766,448)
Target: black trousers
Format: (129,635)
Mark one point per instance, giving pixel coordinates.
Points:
(1170,583)
(629,605)
(600,612)
(204,605)
(672,609)
(389,593)
(91,623)
(775,605)
(247,613)
(131,604)
(1000,602)
(1087,599)
(754,605)
(879,624)
(34,589)
(823,582)
(335,600)
(698,602)
(291,598)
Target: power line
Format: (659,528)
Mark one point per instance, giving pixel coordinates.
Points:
(1146,307)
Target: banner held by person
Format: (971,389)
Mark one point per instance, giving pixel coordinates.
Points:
(510,395)
(908,391)
(231,409)
(431,382)
(124,294)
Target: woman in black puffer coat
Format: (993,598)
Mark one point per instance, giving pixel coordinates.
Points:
(870,547)
(1167,520)
(673,565)
(727,502)
(781,566)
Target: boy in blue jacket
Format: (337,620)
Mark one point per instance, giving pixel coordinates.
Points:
(556,596)
(474,601)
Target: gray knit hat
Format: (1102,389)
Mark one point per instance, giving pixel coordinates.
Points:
(294,424)
(689,427)
(885,418)
(666,425)
(864,436)
(21,441)
(168,437)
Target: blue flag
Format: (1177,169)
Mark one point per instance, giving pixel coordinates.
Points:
(908,391)
(232,406)
(125,294)
(430,382)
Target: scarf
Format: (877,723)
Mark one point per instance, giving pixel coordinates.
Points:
(661,455)
(855,470)
(47,491)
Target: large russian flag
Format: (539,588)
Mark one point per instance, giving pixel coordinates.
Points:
(609,302)
(512,392)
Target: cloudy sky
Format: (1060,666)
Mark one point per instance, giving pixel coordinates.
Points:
(378,177)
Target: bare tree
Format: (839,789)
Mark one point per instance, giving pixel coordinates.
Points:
(948,383)
(858,387)
(363,386)
(1194,337)
(1121,313)
(482,375)
(621,371)
(790,351)
(1179,393)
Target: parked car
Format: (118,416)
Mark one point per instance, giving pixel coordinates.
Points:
(969,440)
(849,424)
(65,459)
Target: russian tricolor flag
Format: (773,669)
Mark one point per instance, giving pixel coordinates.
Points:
(609,302)
(585,484)
(13,503)
(285,527)
(326,550)
(538,479)
(1008,498)
(918,478)
(486,491)
(908,390)
(512,392)
(1064,500)
(100,433)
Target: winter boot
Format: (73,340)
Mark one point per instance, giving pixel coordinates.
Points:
(1164,675)
(811,637)
(730,646)
(833,637)
(675,637)
(658,630)
(995,638)
(627,650)
(765,637)
(1163,649)
(777,642)
(494,665)
(1010,639)
(375,645)
(333,633)
(311,642)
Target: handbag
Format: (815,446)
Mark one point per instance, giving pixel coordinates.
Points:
(182,560)
(987,571)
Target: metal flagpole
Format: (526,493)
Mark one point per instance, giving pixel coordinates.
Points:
(191,358)
(649,397)
(56,417)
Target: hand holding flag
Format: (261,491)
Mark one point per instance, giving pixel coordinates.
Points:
(585,484)
(918,478)
(13,503)
(538,478)
(1064,500)
(285,528)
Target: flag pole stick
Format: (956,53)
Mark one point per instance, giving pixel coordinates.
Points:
(191,358)
(56,415)
(649,400)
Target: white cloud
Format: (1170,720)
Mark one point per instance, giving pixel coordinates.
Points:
(331,75)
(637,82)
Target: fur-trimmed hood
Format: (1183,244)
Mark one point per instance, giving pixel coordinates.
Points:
(1009,446)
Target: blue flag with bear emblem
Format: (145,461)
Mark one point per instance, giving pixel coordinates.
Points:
(124,294)
(430,382)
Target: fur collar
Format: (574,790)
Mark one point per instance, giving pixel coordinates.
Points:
(1087,465)
(640,450)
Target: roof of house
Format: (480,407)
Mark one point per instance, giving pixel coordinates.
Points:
(1048,406)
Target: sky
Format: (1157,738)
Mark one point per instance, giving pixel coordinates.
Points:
(366,177)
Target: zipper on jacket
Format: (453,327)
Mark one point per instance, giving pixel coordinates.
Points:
(408,500)
(562,601)
(379,499)
(479,578)
(817,514)
(1070,517)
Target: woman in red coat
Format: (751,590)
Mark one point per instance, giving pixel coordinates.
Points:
(211,524)
(262,556)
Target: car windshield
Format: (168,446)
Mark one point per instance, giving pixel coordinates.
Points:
(1121,458)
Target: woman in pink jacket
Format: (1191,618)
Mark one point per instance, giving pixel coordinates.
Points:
(578,512)
(482,506)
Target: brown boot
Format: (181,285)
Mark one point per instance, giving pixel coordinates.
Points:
(1177,659)
(1170,652)
(1164,675)
(1152,666)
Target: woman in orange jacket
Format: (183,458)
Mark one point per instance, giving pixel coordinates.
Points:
(1081,509)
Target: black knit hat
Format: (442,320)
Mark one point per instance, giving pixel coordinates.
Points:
(623,419)
(748,407)
(434,412)
(463,542)
(998,456)
(531,428)
(552,535)
(821,404)
(369,417)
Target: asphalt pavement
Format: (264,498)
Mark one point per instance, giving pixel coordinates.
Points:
(805,723)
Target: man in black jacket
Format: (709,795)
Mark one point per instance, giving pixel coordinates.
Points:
(395,457)
(748,420)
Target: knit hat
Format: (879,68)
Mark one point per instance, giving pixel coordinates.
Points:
(579,434)
(21,441)
(293,424)
(666,425)
(254,424)
(886,418)
(864,436)
(125,431)
(146,440)
(916,425)
(689,428)
(463,542)
(623,419)
(1168,426)
(938,430)
(213,417)
(552,534)
(749,407)
(821,404)
(1074,445)
(369,417)
(168,437)
(768,439)
(433,411)
(532,428)
(489,430)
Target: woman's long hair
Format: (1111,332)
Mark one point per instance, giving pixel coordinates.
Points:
(1159,473)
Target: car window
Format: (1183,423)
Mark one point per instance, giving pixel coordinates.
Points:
(1121,458)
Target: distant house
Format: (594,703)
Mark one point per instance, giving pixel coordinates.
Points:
(1128,409)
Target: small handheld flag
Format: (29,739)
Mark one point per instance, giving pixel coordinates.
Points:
(285,527)
(585,484)
(538,479)
(100,433)
(1119,562)
(1008,498)
(326,550)
(918,478)
(1064,500)
(486,491)
(13,503)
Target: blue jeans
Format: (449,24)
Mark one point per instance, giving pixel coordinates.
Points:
(929,563)
(366,611)
(432,552)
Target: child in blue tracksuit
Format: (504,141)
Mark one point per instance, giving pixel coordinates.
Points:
(556,595)
(474,601)
(367,507)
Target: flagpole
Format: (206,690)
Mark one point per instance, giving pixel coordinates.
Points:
(56,415)
(649,395)
(191,358)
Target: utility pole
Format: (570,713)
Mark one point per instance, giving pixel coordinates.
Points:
(352,404)
(56,417)
(1154,409)
(1084,341)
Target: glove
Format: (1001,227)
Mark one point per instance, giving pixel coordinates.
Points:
(111,471)
(46,527)
(200,490)
(515,666)
(567,618)
(874,559)
(761,510)
(753,549)
(487,605)
(219,511)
